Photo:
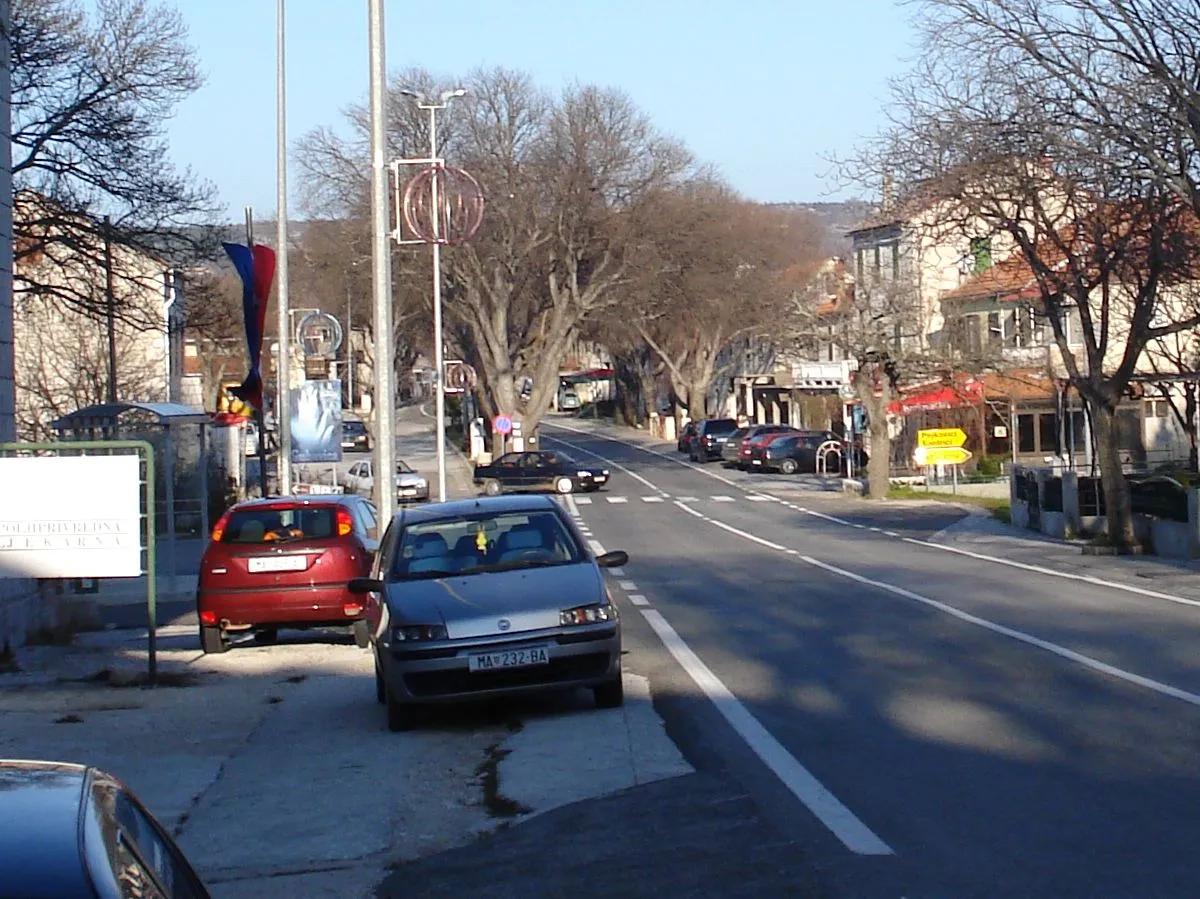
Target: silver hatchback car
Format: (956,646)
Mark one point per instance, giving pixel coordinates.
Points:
(492,596)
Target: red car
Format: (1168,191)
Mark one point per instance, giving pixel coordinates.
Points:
(285,562)
(759,435)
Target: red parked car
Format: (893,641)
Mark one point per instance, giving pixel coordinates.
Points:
(759,434)
(285,562)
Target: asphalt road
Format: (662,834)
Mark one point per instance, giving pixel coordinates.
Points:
(910,721)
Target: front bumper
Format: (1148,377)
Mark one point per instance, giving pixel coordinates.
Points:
(412,494)
(439,672)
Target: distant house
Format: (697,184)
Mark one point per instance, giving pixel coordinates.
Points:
(61,330)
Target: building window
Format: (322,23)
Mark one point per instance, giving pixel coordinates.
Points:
(995,326)
(981,253)
(1048,433)
(1158,408)
(1072,326)
(1026,434)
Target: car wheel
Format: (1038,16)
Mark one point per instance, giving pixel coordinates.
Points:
(362,634)
(789,466)
(266,635)
(400,717)
(564,485)
(212,640)
(492,488)
(610,695)
(380,689)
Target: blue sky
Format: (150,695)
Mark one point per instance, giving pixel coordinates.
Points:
(764,90)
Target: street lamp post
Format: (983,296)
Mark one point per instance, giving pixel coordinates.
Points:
(439,355)
(283,412)
(381,281)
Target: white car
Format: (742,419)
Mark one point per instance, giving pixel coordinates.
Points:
(411,487)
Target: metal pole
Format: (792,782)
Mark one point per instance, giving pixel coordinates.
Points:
(439,361)
(283,410)
(110,305)
(381,282)
(261,413)
(349,351)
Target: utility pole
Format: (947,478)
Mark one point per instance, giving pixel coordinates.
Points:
(381,281)
(110,306)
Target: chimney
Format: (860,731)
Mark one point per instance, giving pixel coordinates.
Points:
(889,192)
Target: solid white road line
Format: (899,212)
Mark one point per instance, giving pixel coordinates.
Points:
(855,835)
(653,499)
(1028,639)
(1020,636)
(722,499)
(983,557)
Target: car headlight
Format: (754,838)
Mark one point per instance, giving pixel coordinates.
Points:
(422,483)
(588,615)
(583,474)
(416,633)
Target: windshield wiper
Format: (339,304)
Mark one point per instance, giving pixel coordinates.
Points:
(425,575)
(518,564)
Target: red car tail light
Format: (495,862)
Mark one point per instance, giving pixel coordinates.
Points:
(219,528)
(351,609)
(207,618)
(345,522)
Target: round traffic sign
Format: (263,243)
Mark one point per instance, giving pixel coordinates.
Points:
(502,424)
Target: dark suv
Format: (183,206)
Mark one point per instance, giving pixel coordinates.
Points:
(710,436)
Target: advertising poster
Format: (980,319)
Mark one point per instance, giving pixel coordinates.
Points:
(317,421)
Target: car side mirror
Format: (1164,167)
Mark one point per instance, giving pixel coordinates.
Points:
(614,559)
(361,585)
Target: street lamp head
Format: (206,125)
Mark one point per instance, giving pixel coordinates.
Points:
(415,94)
(450,95)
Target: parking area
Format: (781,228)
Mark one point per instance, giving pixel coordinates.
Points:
(274,767)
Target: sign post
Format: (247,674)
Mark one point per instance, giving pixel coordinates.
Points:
(942,446)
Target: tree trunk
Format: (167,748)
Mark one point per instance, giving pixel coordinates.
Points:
(1117,505)
(697,400)
(875,402)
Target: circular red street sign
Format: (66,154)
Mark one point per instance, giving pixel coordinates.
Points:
(502,424)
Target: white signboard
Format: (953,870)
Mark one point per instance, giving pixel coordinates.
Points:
(70,516)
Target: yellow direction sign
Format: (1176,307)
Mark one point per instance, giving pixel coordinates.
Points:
(941,455)
(941,437)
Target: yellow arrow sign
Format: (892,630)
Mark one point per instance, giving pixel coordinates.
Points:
(941,437)
(941,455)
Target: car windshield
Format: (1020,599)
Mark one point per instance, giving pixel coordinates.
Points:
(477,544)
(403,467)
(353,428)
(721,426)
(279,524)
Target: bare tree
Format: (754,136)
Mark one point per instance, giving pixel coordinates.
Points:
(1106,238)
(711,272)
(562,177)
(214,323)
(91,96)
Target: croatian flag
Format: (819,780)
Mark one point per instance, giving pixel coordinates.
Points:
(256,267)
